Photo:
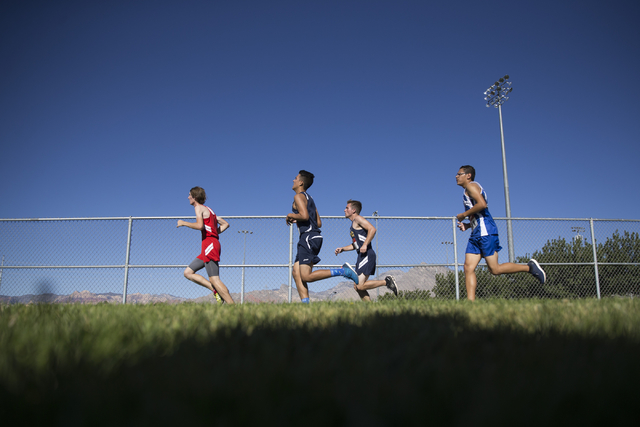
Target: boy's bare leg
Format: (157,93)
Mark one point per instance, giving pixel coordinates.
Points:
(507,267)
(307,275)
(362,286)
(471,261)
(221,288)
(197,279)
(303,289)
(371,284)
(303,273)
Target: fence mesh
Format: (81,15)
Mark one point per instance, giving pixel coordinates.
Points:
(85,260)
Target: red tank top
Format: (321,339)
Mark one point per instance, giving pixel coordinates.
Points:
(210,243)
(210,226)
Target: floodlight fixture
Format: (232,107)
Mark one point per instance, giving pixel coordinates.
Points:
(446,250)
(578,230)
(496,95)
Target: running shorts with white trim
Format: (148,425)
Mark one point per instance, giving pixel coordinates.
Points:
(483,245)
(213,269)
(309,247)
(210,249)
(366,263)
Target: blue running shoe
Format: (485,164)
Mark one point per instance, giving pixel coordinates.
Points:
(536,271)
(350,273)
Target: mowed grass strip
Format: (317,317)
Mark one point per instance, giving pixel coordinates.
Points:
(328,363)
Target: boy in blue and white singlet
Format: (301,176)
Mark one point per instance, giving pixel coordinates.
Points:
(484,241)
(362,233)
(305,215)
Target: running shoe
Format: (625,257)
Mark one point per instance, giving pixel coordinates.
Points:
(391,284)
(218,298)
(537,271)
(350,273)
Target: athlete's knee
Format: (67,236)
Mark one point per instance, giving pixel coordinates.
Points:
(305,271)
(305,276)
(494,269)
(188,273)
(493,266)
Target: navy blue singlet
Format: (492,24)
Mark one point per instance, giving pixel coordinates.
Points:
(310,225)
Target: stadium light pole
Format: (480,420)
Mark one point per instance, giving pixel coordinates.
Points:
(1,268)
(244,254)
(375,214)
(447,250)
(495,96)
(578,230)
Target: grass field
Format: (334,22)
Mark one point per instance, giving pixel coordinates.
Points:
(389,363)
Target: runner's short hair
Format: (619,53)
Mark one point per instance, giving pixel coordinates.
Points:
(355,205)
(307,178)
(198,195)
(469,169)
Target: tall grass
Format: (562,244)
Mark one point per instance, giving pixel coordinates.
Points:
(483,363)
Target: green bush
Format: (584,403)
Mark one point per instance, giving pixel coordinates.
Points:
(563,281)
(418,294)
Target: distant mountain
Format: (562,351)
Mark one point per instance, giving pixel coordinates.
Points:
(86,297)
(417,278)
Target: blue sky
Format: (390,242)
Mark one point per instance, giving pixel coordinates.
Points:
(118,108)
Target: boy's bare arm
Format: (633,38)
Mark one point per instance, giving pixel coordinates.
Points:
(301,207)
(222,225)
(473,190)
(371,232)
(198,225)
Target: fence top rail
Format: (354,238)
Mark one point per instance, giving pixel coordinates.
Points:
(113,218)
(566,219)
(223,216)
(126,218)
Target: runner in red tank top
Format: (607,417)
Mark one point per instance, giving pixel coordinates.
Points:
(210,226)
(210,242)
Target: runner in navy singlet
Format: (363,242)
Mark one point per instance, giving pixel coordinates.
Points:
(305,216)
(484,242)
(362,233)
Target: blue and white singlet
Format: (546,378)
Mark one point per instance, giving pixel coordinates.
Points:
(482,223)
(310,225)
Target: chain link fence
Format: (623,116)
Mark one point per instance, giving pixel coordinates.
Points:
(142,259)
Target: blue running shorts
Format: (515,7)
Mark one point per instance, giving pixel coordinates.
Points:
(366,263)
(308,248)
(484,245)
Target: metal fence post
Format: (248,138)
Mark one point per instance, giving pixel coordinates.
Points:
(126,263)
(455,258)
(375,273)
(290,258)
(595,257)
(1,268)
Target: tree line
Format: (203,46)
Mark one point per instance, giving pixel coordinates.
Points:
(563,281)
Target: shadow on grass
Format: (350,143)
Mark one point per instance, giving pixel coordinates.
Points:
(401,370)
